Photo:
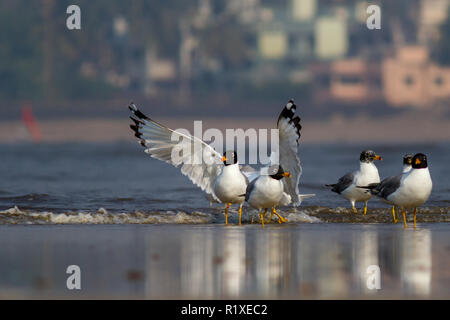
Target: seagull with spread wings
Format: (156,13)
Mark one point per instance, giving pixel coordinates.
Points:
(289,130)
(217,175)
(221,177)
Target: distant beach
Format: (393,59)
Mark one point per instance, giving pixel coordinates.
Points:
(413,127)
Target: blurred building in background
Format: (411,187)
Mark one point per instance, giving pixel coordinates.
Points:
(256,50)
(410,78)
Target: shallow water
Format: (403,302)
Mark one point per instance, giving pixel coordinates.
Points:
(120,178)
(139,229)
(300,261)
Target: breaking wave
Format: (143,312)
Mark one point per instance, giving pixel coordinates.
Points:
(312,214)
(102,216)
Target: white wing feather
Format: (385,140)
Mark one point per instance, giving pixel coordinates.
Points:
(161,143)
(250,172)
(285,199)
(289,133)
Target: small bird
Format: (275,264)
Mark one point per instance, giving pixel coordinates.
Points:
(266,191)
(347,186)
(407,190)
(219,176)
(407,161)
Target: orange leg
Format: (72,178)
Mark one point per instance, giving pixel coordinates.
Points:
(226,213)
(261,215)
(280,218)
(404,218)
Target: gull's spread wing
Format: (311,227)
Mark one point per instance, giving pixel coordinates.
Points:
(198,160)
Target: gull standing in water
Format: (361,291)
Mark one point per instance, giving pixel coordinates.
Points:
(221,177)
(289,129)
(407,161)
(230,183)
(347,186)
(266,191)
(217,175)
(408,190)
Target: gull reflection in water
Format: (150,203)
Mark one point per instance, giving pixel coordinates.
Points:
(271,252)
(332,281)
(416,262)
(365,255)
(196,274)
(233,260)
(287,262)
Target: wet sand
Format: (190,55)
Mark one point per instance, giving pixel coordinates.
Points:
(301,261)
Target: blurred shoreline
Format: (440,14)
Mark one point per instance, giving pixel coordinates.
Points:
(362,128)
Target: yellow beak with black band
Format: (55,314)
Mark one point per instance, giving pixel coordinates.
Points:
(286,174)
(378,158)
(224,158)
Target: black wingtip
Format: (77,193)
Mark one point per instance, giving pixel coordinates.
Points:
(288,113)
(137,112)
(135,129)
(370,186)
(298,126)
(136,121)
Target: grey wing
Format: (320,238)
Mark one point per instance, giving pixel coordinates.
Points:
(379,186)
(344,182)
(250,188)
(389,185)
(198,160)
(289,133)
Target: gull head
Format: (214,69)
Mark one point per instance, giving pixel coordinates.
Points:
(369,156)
(229,158)
(419,161)
(276,172)
(407,159)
